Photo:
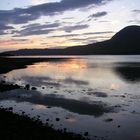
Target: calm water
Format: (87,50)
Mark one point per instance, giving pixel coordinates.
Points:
(95,94)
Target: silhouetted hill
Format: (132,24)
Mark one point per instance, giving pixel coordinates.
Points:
(126,41)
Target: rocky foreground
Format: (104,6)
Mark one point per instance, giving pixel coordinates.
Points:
(14,126)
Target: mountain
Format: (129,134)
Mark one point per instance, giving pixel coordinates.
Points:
(126,41)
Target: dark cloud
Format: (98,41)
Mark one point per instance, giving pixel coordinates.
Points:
(98,33)
(40,27)
(94,16)
(20,15)
(36,29)
(136,11)
(74,27)
(2,32)
(88,40)
(134,21)
(97,15)
(104,21)
(75,35)
(64,35)
(4,29)
(77,39)
(31,25)
(32,32)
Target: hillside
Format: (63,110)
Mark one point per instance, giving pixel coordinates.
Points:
(126,41)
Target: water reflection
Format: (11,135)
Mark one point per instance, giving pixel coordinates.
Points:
(76,78)
(96,108)
(83,93)
(129,72)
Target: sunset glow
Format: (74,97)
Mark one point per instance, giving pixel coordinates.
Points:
(44,24)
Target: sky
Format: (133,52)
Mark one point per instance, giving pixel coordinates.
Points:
(27,24)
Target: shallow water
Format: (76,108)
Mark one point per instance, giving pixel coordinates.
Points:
(95,94)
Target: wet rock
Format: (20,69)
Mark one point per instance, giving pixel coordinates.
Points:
(117,106)
(18,96)
(8,87)
(133,112)
(3,82)
(23,112)
(10,108)
(123,96)
(57,119)
(100,94)
(34,88)
(47,120)
(27,86)
(109,120)
(48,106)
(86,134)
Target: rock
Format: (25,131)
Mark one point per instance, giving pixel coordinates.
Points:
(34,88)
(109,120)
(57,119)
(48,106)
(3,82)
(133,111)
(23,112)
(123,96)
(27,87)
(8,87)
(119,126)
(86,134)
(47,120)
(10,108)
(18,96)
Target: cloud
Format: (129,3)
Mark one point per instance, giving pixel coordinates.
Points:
(24,15)
(35,32)
(134,21)
(98,33)
(12,41)
(136,11)
(64,35)
(36,2)
(36,29)
(74,28)
(39,29)
(4,29)
(75,35)
(40,26)
(97,15)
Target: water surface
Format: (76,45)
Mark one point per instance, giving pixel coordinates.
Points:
(95,94)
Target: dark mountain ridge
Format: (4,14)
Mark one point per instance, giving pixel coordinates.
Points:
(126,41)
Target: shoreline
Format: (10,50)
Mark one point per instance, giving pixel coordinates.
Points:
(22,127)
